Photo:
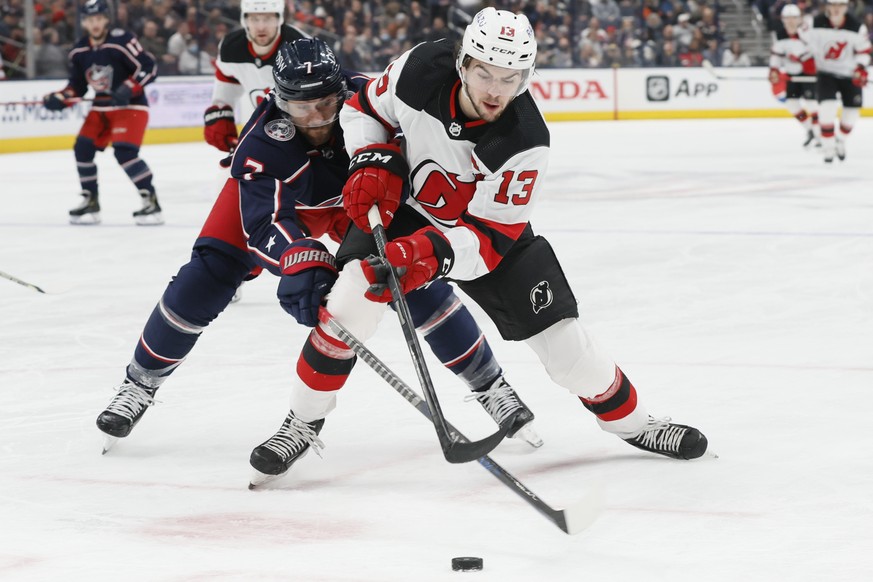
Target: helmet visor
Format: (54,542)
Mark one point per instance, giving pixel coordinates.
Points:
(313,112)
(494,80)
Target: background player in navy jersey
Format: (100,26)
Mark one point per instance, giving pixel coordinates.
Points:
(842,50)
(478,148)
(244,68)
(284,192)
(115,66)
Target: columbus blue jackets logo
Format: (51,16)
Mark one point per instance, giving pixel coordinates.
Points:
(280,129)
(99,78)
(541,296)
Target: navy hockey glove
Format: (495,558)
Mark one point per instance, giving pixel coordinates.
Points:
(56,101)
(219,128)
(125,92)
(308,273)
(376,176)
(417,259)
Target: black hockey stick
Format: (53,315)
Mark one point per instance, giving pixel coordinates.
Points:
(571,520)
(453,450)
(20,282)
(711,70)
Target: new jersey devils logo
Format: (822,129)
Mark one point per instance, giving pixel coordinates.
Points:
(443,194)
(835,51)
(541,296)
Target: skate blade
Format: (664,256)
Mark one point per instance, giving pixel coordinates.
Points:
(155,219)
(527,434)
(257,479)
(86,219)
(236,296)
(108,443)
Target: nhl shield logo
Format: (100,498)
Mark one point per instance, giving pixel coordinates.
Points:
(541,296)
(455,129)
(280,129)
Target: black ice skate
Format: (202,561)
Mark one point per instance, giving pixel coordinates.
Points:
(275,456)
(811,140)
(676,441)
(88,212)
(125,410)
(501,402)
(150,213)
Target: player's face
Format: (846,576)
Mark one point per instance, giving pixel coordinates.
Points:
(489,88)
(96,25)
(314,118)
(791,24)
(836,12)
(262,28)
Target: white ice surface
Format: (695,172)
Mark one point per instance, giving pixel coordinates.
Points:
(729,272)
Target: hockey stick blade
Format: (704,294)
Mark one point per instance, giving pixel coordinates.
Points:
(453,450)
(571,520)
(20,282)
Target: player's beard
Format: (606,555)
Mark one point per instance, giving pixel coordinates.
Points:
(98,38)
(486,114)
(317,135)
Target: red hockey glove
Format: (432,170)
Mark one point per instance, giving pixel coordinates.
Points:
(417,259)
(859,79)
(775,76)
(57,101)
(376,176)
(308,273)
(125,92)
(219,128)
(778,83)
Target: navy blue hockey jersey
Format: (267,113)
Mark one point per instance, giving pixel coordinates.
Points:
(106,66)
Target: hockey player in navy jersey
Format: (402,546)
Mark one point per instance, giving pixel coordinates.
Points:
(842,50)
(244,68)
(284,192)
(477,147)
(116,67)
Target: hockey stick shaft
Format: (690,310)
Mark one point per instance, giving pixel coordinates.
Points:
(711,70)
(70,101)
(454,451)
(569,521)
(20,282)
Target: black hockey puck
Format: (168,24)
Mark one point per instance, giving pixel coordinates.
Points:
(467,564)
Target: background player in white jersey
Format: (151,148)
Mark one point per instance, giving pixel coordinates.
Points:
(790,61)
(842,52)
(477,149)
(244,68)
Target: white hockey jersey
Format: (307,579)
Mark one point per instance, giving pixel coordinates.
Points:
(791,53)
(241,75)
(475,181)
(839,51)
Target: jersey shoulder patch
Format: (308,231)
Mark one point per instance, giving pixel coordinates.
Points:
(427,68)
(520,128)
(116,32)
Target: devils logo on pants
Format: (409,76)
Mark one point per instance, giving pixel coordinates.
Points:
(541,296)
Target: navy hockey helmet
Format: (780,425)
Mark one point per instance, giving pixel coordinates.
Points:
(92,7)
(307,69)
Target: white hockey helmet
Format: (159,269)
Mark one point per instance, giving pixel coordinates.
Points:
(837,2)
(500,38)
(261,7)
(790,10)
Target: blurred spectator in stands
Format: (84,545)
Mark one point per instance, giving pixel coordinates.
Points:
(50,59)
(347,53)
(712,52)
(438,30)
(194,60)
(612,56)
(561,56)
(627,32)
(692,55)
(417,21)
(10,20)
(591,44)
(153,42)
(708,25)
(654,27)
(631,54)
(668,56)
(177,44)
(683,31)
(607,12)
(735,57)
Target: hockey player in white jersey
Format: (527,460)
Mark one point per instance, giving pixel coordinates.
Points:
(791,62)
(841,49)
(244,68)
(477,149)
